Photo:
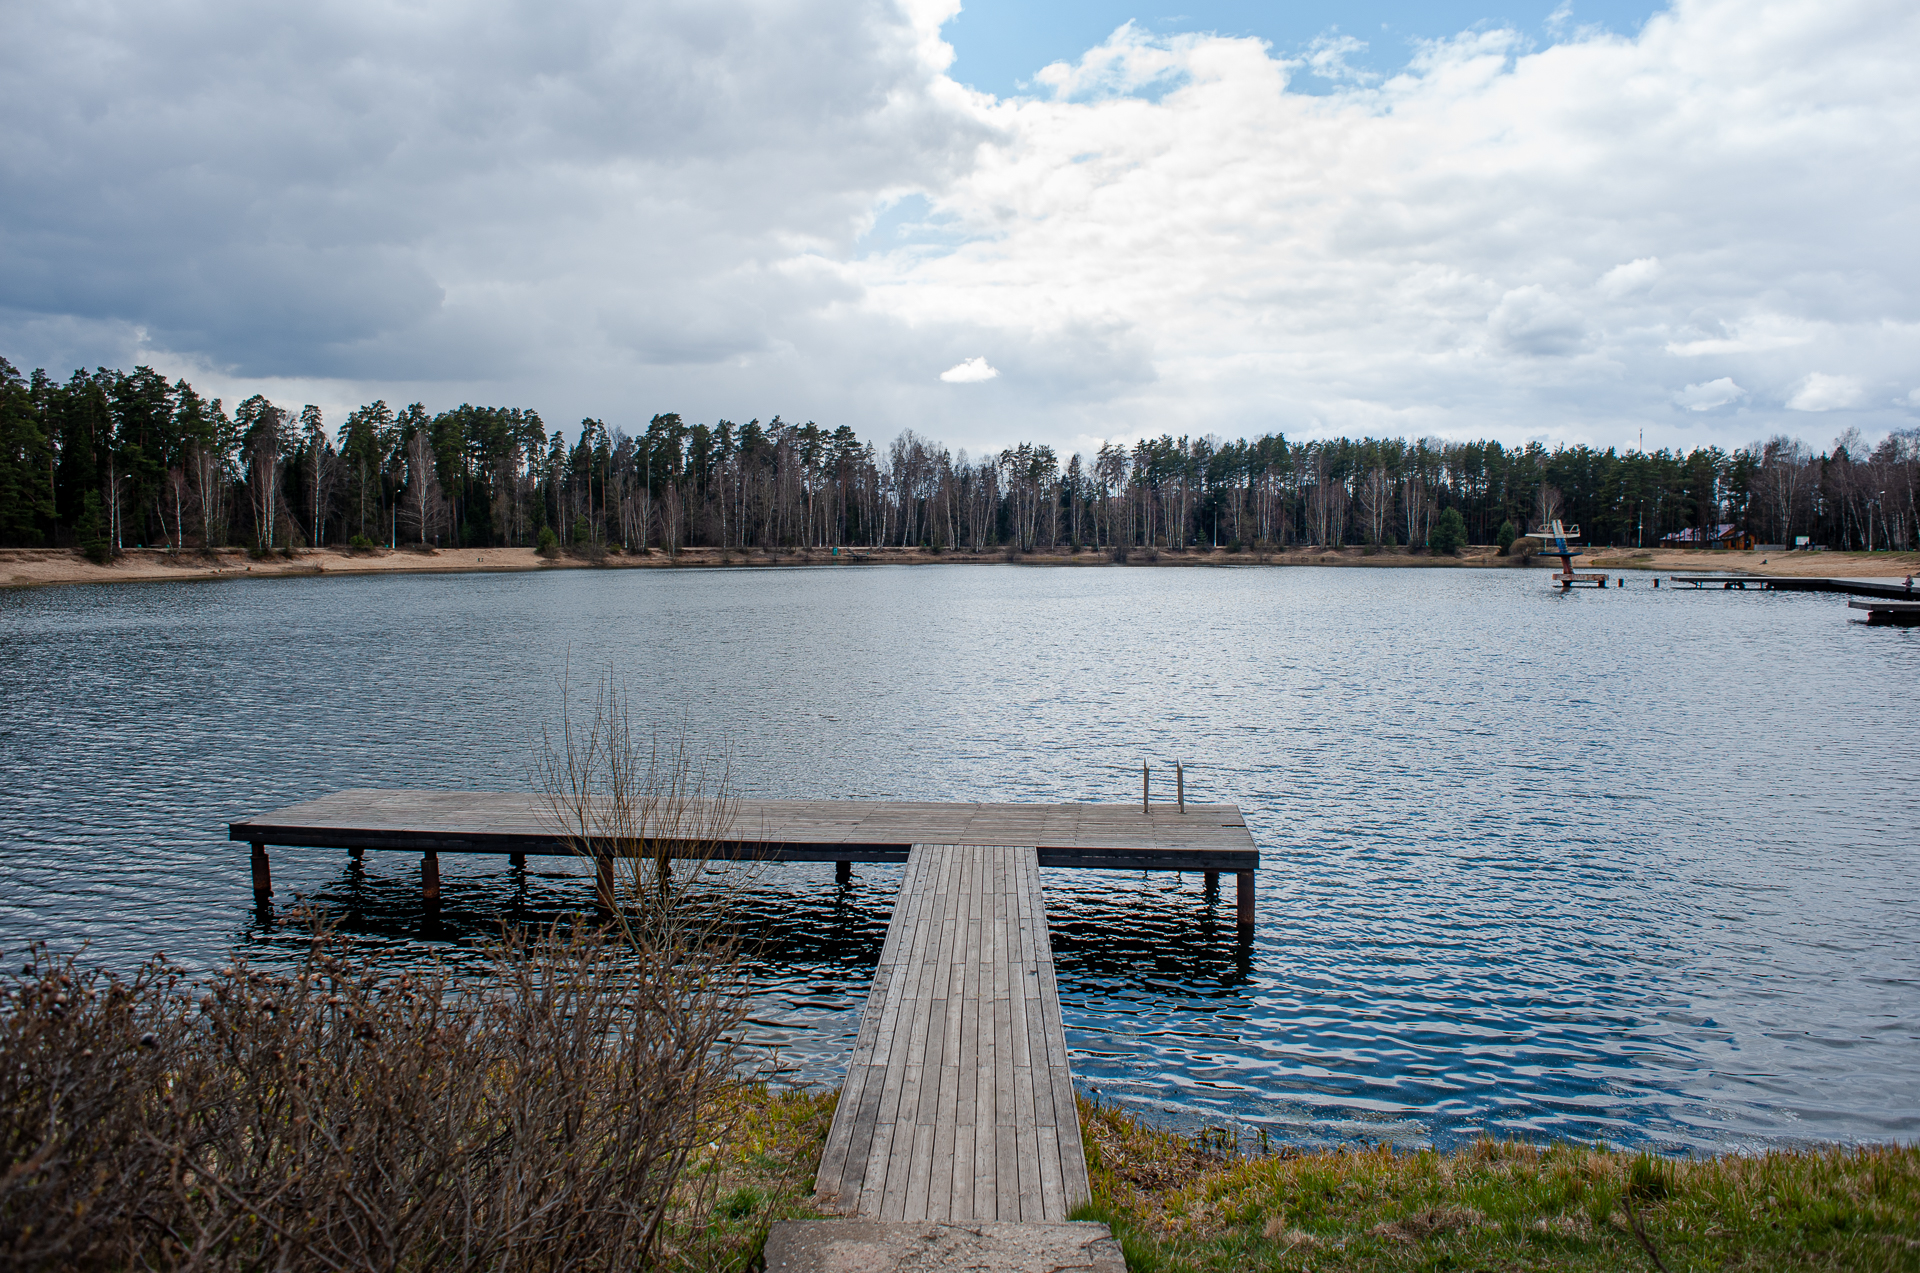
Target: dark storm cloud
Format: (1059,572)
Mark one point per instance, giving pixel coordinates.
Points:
(324,190)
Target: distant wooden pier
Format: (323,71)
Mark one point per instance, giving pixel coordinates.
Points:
(959,1103)
(1887,589)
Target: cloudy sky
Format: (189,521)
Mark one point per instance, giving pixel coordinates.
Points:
(1062,223)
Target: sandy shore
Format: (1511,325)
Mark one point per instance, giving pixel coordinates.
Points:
(25,567)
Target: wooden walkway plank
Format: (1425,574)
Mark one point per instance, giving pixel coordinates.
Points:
(909,1182)
(959,1104)
(892,1048)
(967,1115)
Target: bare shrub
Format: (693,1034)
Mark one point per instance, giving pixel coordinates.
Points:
(333,1118)
(539,1116)
(657,812)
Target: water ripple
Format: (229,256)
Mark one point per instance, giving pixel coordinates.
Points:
(1631,865)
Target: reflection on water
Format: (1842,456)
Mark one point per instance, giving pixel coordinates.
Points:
(1631,865)
(810,944)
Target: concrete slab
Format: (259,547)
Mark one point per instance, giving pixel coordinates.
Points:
(873,1246)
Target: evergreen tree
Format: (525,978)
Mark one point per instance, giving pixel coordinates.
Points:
(26,464)
(1449,533)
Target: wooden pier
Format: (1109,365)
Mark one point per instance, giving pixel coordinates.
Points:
(1210,838)
(958,1106)
(1887,589)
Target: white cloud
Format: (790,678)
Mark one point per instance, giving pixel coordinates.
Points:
(563,204)
(1630,276)
(1756,333)
(1821,392)
(1711,395)
(600,208)
(970,372)
(1327,57)
(1532,320)
(1129,60)
(1504,234)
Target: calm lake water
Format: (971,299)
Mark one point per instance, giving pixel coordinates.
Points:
(1630,865)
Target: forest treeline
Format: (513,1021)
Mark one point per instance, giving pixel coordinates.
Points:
(107,460)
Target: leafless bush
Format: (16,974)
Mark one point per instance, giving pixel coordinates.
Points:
(540,1116)
(330,1118)
(658,811)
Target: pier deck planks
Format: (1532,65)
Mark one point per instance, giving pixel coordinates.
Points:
(958,1104)
(1207,837)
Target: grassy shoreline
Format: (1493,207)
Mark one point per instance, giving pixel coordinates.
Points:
(30,567)
(1179,1205)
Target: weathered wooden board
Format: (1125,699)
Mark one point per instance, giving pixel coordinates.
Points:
(1207,837)
(958,1104)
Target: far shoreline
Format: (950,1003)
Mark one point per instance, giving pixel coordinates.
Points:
(34,567)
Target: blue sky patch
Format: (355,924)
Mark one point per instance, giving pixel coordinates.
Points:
(1000,44)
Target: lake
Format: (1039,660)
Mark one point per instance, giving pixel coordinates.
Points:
(1633,865)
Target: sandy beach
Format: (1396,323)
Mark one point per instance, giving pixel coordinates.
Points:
(27,567)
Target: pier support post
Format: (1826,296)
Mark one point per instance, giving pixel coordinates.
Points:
(516,859)
(430,878)
(262,872)
(1213,882)
(603,882)
(843,872)
(1244,895)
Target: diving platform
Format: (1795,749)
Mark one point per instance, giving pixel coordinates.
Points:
(1561,535)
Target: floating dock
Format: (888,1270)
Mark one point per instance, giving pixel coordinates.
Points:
(1900,614)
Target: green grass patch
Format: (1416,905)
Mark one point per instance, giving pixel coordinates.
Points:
(1178,1206)
(758,1169)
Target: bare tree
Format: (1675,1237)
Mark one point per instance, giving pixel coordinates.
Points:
(1376,504)
(1415,501)
(423,486)
(1547,505)
(1783,474)
(207,476)
(265,439)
